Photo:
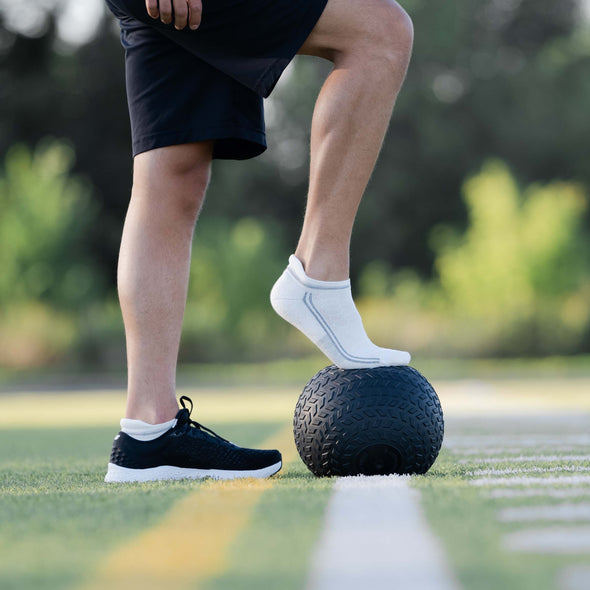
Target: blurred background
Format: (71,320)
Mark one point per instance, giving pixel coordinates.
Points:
(471,242)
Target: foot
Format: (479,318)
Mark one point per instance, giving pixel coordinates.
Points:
(186,451)
(325,312)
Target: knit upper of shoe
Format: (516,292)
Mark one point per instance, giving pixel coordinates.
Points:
(190,445)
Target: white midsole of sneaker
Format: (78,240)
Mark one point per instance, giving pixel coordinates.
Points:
(117,474)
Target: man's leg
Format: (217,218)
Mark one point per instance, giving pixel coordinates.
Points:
(168,190)
(158,440)
(370,44)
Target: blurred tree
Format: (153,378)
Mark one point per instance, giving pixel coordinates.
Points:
(517,249)
(516,281)
(505,78)
(48,277)
(521,270)
(228,313)
(44,216)
(50,89)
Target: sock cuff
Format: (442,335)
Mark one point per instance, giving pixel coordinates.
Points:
(297,270)
(140,430)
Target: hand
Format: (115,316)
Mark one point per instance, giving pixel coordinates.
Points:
(185,12)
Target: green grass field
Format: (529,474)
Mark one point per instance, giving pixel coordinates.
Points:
(510,446)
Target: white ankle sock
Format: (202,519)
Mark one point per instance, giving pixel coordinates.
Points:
(144,431)
(325,312)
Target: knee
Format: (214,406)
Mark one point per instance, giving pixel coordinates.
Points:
(390,34)
(184,170)
(175,178)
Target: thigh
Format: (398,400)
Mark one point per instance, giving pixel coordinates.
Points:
(251,41)
(347,24)
(176,98)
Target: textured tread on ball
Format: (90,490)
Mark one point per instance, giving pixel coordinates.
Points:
(368,421)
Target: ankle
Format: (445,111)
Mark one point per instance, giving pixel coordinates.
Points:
(152,413)
(324,265)
(144,431)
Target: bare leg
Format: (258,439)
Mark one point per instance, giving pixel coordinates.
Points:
(168,189)
(370,44)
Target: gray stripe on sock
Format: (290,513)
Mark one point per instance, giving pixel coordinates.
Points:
(307,300)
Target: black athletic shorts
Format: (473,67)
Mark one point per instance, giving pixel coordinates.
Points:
(186,86)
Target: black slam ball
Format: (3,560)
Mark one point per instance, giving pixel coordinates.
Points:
(368,421)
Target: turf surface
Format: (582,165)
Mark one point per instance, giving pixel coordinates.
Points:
(466,516)
(58,518)
(62,527)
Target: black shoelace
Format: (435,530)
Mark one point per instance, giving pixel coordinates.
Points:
(194,423)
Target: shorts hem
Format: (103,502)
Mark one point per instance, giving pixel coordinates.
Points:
(231,143)
(270,76)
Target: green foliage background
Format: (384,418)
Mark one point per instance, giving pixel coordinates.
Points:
(472,238)
(516,281)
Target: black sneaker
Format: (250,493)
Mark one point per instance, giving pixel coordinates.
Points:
(189,450)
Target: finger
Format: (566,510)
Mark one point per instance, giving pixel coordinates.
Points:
(152,8)
(195,9)
(180,14)
(165,11)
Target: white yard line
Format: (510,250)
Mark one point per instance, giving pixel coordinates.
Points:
(550,540)
(523,440)
(555,512)
(517,450)
(531,481)
(376,536)
(563,468)
(540,492)
(525,458)
(574,577)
